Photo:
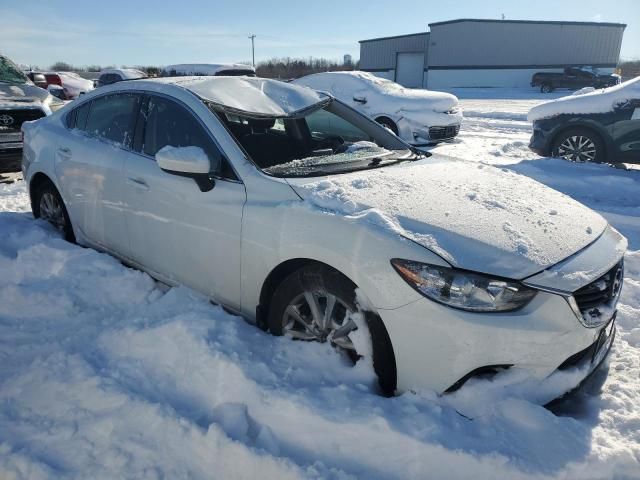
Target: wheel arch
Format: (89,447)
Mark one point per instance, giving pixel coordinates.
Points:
(275,278)
(38,180)
(384,116)
(383,348)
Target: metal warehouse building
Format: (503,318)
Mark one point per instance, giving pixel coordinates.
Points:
(491,53)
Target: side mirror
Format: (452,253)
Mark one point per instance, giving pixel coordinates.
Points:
(362,100)
(190,162)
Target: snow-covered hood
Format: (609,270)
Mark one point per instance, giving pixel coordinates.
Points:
(473,215)
(22,96)
(591,101)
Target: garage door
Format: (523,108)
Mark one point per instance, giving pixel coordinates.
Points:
(409,69)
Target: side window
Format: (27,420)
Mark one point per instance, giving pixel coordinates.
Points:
(168,123)
(112,117)
(77,118)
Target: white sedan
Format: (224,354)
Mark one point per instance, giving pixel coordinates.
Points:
(420,117)
(451,269)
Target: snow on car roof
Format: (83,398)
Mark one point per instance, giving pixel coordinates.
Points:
(252,96)
(127,73)
(598,101)
(205,68)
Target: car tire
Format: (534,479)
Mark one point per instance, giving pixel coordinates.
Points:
(48,205)
(388,123)
(291,314)
(546,88)
(579,145)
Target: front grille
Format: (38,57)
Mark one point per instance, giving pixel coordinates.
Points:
(439,133)
(12,119)
(600,296)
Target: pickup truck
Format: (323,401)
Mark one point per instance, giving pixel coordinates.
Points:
(573,78)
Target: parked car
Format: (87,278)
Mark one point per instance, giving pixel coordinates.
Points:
(218,183)
(20,101)
(114,75)
(596,126)
(420,117)
(38,79)
(72,84)
(573,78)
(208,69)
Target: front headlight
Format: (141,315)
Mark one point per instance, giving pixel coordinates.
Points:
(464,290)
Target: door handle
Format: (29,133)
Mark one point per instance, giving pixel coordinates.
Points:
(138,183)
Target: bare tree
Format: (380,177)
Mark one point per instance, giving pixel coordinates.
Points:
(62,67)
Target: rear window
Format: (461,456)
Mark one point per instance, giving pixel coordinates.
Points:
(112,117)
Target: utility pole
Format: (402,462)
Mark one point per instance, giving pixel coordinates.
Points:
(253,51)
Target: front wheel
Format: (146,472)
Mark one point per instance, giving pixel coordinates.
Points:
(318,304)
(579,145)
(48,205)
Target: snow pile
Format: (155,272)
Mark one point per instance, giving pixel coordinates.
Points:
(599,101)
(106,374)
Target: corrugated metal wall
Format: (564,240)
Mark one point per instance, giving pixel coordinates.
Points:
(380,54)
(473,43)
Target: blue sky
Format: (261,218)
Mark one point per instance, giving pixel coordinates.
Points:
(161,32)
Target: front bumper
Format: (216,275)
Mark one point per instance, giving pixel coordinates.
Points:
(539,142)
(436,347)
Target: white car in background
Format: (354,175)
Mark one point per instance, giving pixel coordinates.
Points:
(113,75)
(73,85)
(418,116)
(439,269)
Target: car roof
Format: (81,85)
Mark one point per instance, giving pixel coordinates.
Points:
(246,96)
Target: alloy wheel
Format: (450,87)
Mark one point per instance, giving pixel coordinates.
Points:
(577,148)
(321,317)
(51,210)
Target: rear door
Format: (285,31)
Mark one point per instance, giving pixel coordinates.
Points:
(89,162)
(176,231)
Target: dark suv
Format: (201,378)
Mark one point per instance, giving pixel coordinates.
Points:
(610,134)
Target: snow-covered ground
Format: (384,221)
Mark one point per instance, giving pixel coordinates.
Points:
(106,374)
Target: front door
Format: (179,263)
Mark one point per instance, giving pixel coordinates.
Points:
(176,231)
